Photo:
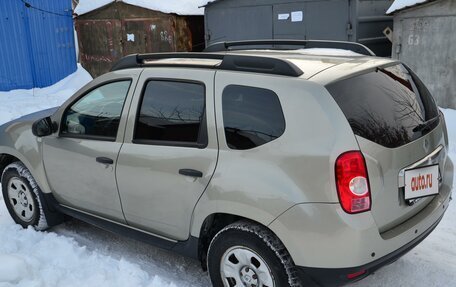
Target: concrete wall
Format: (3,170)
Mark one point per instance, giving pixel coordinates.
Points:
(425,39)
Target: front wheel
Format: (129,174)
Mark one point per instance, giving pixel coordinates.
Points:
(21,196)
(245,254)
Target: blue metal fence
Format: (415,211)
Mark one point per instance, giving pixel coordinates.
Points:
(37,46)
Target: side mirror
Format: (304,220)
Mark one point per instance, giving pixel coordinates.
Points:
(44,127)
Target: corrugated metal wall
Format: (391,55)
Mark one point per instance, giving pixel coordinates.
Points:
(343,20)
(37,46)
(15,70)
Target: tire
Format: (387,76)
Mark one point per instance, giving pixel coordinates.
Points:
(248,254)
(22,197)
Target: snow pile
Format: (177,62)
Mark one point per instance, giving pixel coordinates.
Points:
(17,103)
(30,258)
(180,7)
(401,4)
(15,269)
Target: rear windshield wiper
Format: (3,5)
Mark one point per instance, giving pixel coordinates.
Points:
(426,125)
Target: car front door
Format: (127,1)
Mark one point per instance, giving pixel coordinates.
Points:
(170,150)
(80,160)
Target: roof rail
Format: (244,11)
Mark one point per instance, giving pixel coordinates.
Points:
(138,60)
(255,64)
(282,44)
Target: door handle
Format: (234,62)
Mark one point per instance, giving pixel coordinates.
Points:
(104,160)
(190,172)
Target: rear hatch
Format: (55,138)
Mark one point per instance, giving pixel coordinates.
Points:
(398,128)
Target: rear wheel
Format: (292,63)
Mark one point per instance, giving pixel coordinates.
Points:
(249,255)
(21,196)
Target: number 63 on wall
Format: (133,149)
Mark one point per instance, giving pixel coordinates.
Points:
(414,40)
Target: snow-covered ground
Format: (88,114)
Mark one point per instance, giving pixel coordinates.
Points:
(77,254)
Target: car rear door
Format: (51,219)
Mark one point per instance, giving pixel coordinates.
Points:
(399,130)
(170,150)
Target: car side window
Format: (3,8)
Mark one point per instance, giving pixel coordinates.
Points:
(172,113)
(252,116)
(97,114)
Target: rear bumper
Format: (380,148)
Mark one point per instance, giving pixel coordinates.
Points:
(338,276)
(328,244)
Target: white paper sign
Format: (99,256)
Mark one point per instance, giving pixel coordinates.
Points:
(284,16)
(296,16)
(130,37)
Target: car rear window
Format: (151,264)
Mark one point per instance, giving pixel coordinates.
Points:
(389,106)
(171,113)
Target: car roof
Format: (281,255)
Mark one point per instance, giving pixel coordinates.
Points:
(320,65)
(323,65)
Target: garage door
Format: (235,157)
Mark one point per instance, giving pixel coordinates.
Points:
(318,20)
(243,23)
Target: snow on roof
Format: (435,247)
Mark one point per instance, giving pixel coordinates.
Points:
(329,52)
(86,6)
(401,4)
(315,51)
(180,7)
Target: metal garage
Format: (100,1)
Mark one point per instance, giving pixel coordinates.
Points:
(346,20)
(34,33)
(118,28)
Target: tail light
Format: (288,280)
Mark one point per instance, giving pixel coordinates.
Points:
(352,182)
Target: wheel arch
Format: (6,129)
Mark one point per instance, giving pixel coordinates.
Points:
(35,165)
(215,222)
(8,156)
(5,160)
(46,202)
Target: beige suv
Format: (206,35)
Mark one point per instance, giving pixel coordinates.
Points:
(275,163)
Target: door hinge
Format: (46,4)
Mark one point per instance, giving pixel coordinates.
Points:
(398,48)
(349,29)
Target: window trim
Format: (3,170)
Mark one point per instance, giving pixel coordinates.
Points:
(94,137)
(416,79)
(202,141)
(255,87)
